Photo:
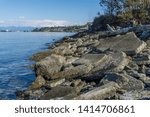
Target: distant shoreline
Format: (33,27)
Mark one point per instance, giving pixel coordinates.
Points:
(75,28)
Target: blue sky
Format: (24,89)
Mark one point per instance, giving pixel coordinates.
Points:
(47,12)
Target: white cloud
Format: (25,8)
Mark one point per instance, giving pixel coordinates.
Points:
(21,17)
(35,23)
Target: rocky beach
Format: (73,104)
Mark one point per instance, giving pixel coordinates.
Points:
(94,65)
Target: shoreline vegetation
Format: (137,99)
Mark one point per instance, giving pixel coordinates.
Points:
(110,60)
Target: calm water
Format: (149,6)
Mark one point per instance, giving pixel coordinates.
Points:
(15,49)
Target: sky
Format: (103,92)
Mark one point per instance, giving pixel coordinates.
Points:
(47,12)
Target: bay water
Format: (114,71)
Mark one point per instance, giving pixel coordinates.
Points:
(15,50)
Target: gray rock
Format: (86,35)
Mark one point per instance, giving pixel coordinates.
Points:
(38,83)
(90,59)
(50,65)
(147,72)
(135,95)
(59,91)
(147,82)
(128,43)
(100,93)
(133,84)
(148,42)
(145,35)
(132,66)
(126,82)
(54,83)
(114,77)
(142,59)
(73,72)
(118,62)
(135,74)
(64,49)
(76,82)
(114,62)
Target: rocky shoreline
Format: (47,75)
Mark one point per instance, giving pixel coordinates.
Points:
(94,66)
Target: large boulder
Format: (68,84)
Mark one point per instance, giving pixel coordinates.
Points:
(72,72)
(50,65)
(125,81)
(58,92)
(100,93)
(115,62)
(90,59)
(64,49)
(114,77)
(128,43)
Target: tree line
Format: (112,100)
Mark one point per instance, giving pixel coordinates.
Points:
(122,12)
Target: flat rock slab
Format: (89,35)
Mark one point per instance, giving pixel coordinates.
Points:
(125,82)
(73,72)
(90,59)
(114,77)
(59,91)
(133,84)
(136,95)
(128,43)
(100,93)
(114,62)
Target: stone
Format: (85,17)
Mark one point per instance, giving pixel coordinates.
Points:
(64,49)
(76,82)
(125,81)
(127,43)
(50,65)
(147,72)
(80,86)
(73,72)
(147,82)
(82,50)
(131,95)
(59,91)
(142,59)
(146,62)
(100,93)
(120,79)
(145,35)
(38,83)
(148,42)
(133,84)
(115,62)
(142,69)
(135,95)
(70,59)
(118,62)
(132,66)
(54,83)
(40,55)
(135,74)
(146,50)
(90,59)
